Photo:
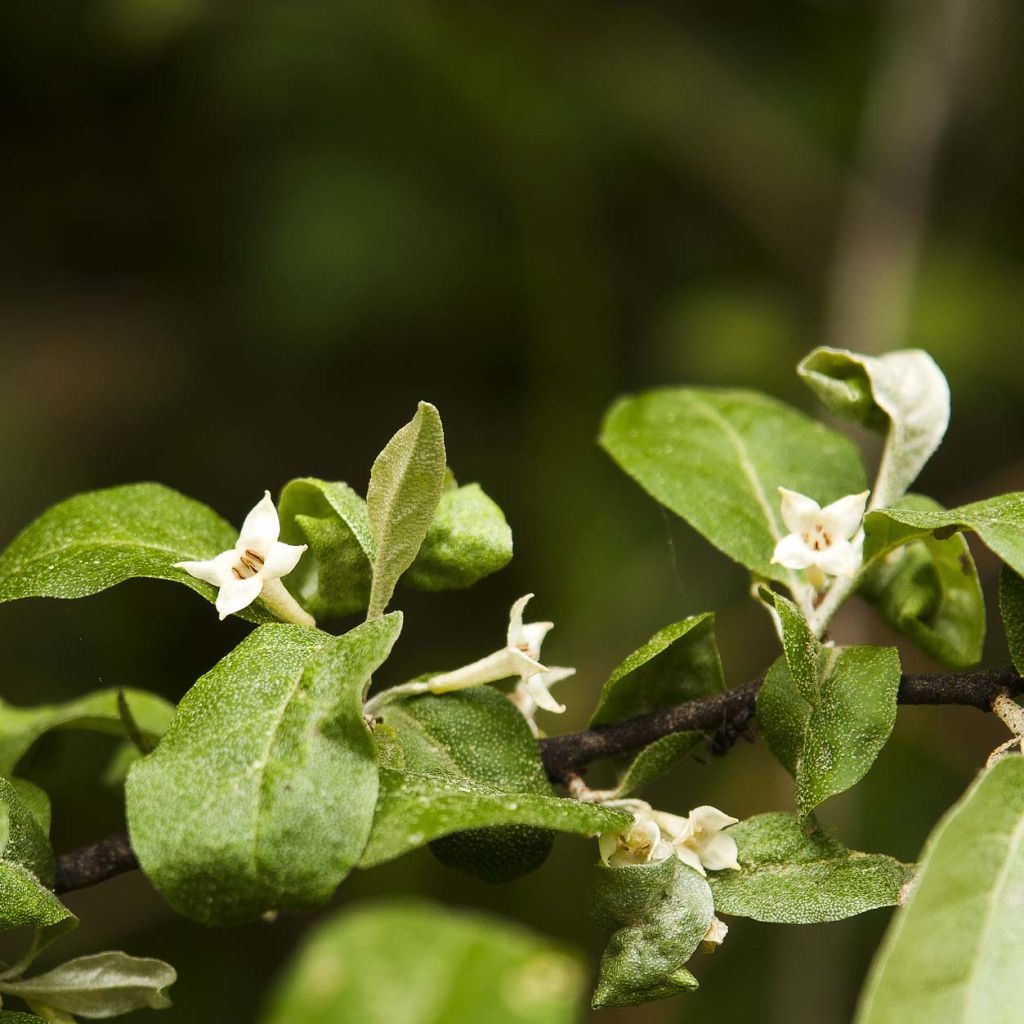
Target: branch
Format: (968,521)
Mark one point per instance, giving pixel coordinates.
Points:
(564,755)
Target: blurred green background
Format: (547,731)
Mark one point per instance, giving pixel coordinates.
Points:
(241,240)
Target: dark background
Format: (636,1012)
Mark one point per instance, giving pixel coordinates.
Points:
(239,241)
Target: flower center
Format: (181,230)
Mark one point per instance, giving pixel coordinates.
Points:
(528,650)
(817,539)
(248,565)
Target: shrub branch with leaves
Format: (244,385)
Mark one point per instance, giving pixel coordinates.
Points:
(284,768)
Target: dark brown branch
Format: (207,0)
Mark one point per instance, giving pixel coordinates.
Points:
(95,863)
(564,755)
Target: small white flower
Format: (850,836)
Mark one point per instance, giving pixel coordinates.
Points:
(519,657)
(829,539)
(640,843)
(253,567)
(699,840)
(714,936)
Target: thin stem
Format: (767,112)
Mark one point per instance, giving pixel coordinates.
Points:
(281,603)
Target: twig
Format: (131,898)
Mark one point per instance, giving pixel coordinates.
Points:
(564,755)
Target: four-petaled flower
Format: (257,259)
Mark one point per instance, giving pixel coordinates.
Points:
(253,568)
(698,840)
(519,657)
(828,539)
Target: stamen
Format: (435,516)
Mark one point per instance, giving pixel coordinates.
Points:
(255,556)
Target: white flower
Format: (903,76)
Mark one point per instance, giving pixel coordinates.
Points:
(829,539)
(253,567)
(714,936)
(699,840)
(640,843)
(519,657)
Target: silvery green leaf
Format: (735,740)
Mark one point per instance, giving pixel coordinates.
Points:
(468,539)
(99,986)
(716,458)
(412,962)
(929,590)
(795,873)
(826,712)
(662,911)
(20,727)
(406,483)
(999,522)
(35,800)
(261,794)
(7,1017)
(333,578)
(952,953)
(467,762)
(95,540)
(1011,607)
(903,394)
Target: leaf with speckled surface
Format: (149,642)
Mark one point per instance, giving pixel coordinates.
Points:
(406,483)
(716,457)
(826,712)
(261,794)
(1011,608)
(26,868)
(468,539)
(952,953)
(478,735)
(20,727)
(929,590)
(468,761)
(333,578)
(19,1018)
(679,663)
(796,873)
(99,539)
(412,962)
(999,522)
(662,912)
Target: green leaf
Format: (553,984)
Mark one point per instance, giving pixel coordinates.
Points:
(414,963)
(96,540)
(35,800)
(1011,607)
(999,522)
(656,760)
(333,579)
(261,794)
(19,1018)
(477,735)
(903,394)
(97,712)
(952,954)
(27,869)
(929,590)
(468,539)
(663,911)
(716,458)
(679,663)
(826,712)
(406,483)
(795,873)
(468,761)
(101,985)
